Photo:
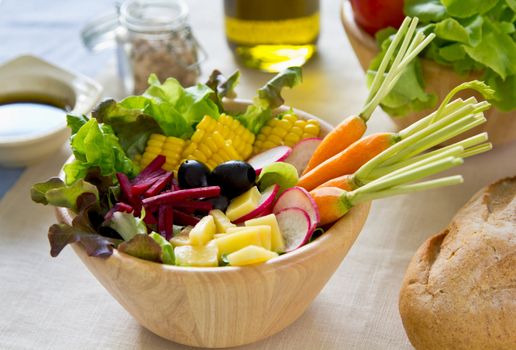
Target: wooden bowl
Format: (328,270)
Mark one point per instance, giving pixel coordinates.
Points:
(225,306)
(439,80)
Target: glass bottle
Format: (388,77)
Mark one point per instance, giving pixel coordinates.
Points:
(151,36)
(271,35)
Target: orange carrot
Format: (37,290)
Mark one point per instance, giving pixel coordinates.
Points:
(406,45)
(340,138)
(349,160)
(330,204)
(344,182)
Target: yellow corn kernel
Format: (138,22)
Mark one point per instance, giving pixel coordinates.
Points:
(275,139)
(154,143)
(266,130)
(218,139)
(157,137)
(205,149)
(190,149)
(283,124)
(152,149)
(296,130)
(268,144)
(312,130)
(290,118)
(198,155)
(174,141)
(281,133)
(198,135)
(306,136)
(300,123)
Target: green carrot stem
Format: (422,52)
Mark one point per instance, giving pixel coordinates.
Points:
(410,175)
(389,156)
(439,137)
(379,77)
(465,144)
(355,199)
(424,122)
(396,69)
(413,164)
(473,151)
(476,85)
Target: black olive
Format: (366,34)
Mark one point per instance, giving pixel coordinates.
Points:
(219,202)
(193,174)
(234,177)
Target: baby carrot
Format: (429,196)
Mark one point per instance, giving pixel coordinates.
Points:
(349,160)
(333,202)
(352,128)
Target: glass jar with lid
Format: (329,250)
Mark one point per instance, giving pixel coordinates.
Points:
(151,36)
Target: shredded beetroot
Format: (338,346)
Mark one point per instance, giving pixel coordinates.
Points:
(187,205)
(177,196)
(184,219)
(159,185)
(149,218)
(153,166)
(125,187)
(165,221)
(144,184)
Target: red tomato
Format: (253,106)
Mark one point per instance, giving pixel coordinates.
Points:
(373,15)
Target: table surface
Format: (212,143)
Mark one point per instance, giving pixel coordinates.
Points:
(51,303)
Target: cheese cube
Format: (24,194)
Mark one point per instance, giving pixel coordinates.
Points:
(221,221)
(199,256)
(203,231)
(264,231)
(277,242)
(238,240)
(250,255)
(243,204)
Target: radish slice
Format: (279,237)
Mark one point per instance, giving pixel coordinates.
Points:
(295,227)
(302,152)
(298,197)
(264,206)
(276,154)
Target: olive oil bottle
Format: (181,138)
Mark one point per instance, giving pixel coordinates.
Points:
(271,35)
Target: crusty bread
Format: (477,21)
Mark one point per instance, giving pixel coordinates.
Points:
(459,291)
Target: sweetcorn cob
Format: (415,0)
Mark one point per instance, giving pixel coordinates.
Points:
(287,129)
(217,141)
(171,147)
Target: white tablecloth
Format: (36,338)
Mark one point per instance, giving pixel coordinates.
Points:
(50,303)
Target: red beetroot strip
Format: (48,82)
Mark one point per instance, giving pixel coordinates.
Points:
(159,185)
(149,218)
(165,221)
(153,166)
(146,183)
(125,187)
(177,196)
(187,205)
(184,219)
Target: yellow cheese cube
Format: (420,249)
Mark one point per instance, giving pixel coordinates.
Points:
(250,255)
(277,242)
(230,243)
(243,204)
(221,221)
(183,238)
(264,231)
(205,255)
(203,231)
(218,235)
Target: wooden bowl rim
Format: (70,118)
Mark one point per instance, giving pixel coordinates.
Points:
(328,238)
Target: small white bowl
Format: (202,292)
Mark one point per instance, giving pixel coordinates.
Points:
(26,75)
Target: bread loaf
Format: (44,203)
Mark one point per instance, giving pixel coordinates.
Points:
(459,291)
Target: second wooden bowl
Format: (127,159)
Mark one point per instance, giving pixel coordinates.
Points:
(225,306)
(439,80)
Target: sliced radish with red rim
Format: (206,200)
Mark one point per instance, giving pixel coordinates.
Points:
(264,206)
(275,154)
(295,227)
(298,197)
(302,152)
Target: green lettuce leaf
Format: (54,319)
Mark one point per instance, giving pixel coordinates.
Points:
(269,97)
(425,10)
(129,122)
(223,87)
(280,173)
(496,50)
(55,192)
(505,96)
(95,145)
(467,8)
(127,225)
(167,251)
